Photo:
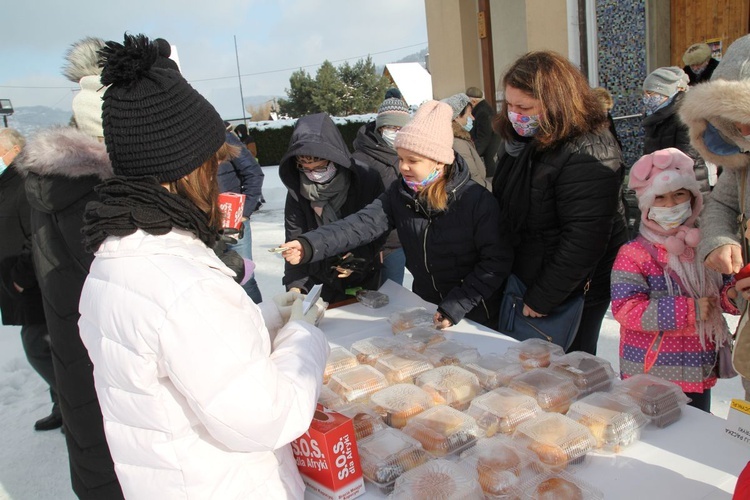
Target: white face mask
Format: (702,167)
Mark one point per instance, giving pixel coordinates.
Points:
(389,136)
(671,217)
(323,176)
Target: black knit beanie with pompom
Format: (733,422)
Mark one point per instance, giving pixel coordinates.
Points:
(154,122)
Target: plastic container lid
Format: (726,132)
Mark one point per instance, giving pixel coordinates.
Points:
(370,349)
(553,392)
(660,400)
(502,410)
(534,353)
(589,373)
(558,486)
(409,318)
(451,352)
(437,480)
(500,465)
(339,359)
(402,367)
(443,430)
(494,370)
(615,421)
(427,334)
(330,399)
(556,439)
(398,403)
(358,383)
(388,454)
(450,385)
(366,421)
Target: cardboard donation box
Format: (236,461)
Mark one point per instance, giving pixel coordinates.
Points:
(231,205)
(327,456)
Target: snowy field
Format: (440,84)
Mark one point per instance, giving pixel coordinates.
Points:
(33,465)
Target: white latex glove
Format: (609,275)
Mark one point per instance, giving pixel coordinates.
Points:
(284,303)
(313,316)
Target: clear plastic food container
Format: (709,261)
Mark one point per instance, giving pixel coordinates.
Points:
(330,399)
(589,373)
(437,480)
(366,421)
(558,485)
(369,350)
(409,318)
(502,410)
(426,334)
(443,430)
(451,352)
(339,359)
(358,383)
(398,403)
(553,392)
(402,367)
(372,299)
(534,353)
(387,454)
(614,420)
(556,439)
(501,466)
(660,400)
(494,370)
(450,385)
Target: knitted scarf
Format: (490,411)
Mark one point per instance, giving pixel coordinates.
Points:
(698,282)
(326,199)
(131,203)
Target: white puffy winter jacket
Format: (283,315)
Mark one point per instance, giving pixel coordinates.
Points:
(198,400)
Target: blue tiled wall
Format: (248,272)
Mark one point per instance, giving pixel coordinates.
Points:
(621,26)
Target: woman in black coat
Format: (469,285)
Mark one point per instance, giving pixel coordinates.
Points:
(446,222)
(325,184)
(558,185)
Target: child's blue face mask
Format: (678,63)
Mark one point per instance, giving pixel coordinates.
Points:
(715,143)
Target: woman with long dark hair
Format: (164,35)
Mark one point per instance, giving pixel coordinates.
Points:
(558,183)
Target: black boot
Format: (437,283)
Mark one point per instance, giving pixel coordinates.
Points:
(51,421)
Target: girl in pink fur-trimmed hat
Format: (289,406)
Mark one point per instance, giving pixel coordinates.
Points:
(667,303)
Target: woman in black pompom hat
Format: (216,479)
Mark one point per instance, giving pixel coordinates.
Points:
(201,391)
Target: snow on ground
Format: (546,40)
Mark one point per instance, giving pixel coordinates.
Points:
(33,465)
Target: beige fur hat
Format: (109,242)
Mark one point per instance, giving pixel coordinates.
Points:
(429,133)
(698,53)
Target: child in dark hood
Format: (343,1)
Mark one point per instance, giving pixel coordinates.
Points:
(326,184)
(447,224)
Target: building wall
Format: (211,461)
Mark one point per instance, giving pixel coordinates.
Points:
(547,25)
(454,45)
(509,37)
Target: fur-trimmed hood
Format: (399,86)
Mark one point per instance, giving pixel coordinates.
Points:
(721,103)
(460,132)
(65,151)
(62,166)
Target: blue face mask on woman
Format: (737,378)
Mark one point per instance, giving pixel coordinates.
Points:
(469,124)
(716,143)
(3,165)
(651,103)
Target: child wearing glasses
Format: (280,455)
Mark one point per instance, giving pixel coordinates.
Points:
(325,184)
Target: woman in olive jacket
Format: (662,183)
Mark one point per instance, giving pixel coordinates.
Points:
(558,185)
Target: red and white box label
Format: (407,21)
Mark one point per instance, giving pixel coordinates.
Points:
(231,205)
(327,456)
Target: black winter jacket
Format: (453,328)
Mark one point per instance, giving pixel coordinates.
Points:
(458,258)
(372,150)
(575,223)
(703,77)
(62,166)
(18,308)
(316,135)
(664,129)
(242,175)
(485,139)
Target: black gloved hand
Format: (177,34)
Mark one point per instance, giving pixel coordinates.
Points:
(233,261)
(349,264)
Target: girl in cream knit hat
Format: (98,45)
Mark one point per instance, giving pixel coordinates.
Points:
(446,222)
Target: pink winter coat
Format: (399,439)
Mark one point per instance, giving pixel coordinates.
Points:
(653,320)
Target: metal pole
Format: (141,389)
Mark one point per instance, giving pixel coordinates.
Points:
(242,100)
(5,120)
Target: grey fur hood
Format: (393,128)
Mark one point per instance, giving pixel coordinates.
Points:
(82,59)
(721,103)
(67,152)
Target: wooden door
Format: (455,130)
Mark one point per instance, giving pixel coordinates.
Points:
(694,21)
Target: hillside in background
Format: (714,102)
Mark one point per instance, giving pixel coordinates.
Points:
(28,120)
